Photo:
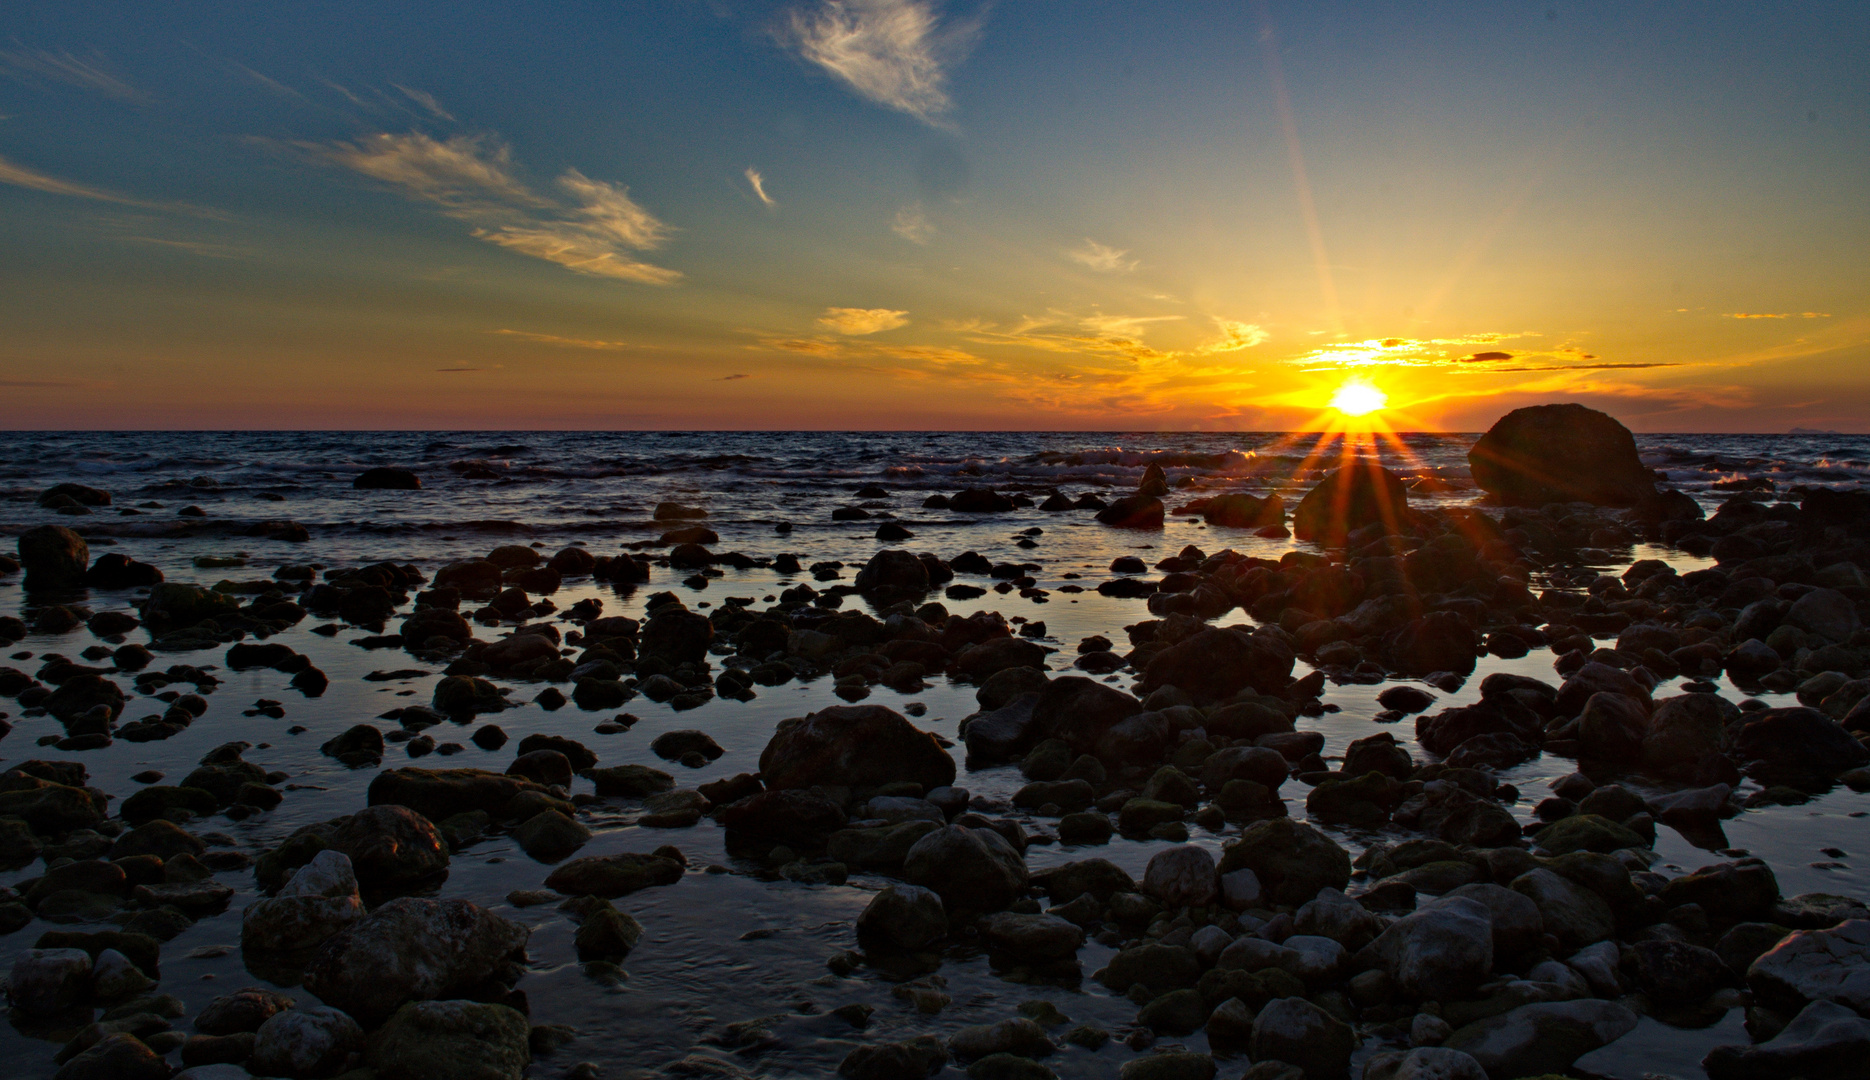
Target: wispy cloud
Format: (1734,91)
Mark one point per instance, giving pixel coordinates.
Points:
(193,247)
(1124,325)
(804,346)
(913,225)
(565,342)
(22,176)
(1781,315)
(734,378)
(1101,257)
(90,73)
(474,178)
(1236,336)
(892,52)
(859,321)
(758,183)
(427,101)
(264,82)
(1453,354)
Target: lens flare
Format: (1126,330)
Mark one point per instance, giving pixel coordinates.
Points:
(1357,398)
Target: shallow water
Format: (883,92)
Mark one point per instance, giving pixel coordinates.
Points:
(729,947)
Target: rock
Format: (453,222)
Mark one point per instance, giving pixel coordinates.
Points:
(792,816)
(1825,1041)
(1561,453)
(1515,919)
(451,1040)
(118,1056)
(607,934)
(305,1042)
(411,949)
(1157,968)
(1080,711)
(903,917)
(461,695)
(1612,726)
(631,781)
(548,767)
(1727,892)
(1241,889)
(856,746)
(1424,1063)
(1349,498)
(893,575)
(320,900)
(1010,1066)
(1182,876)
(1686,730)
(612,876)
(1797,745)
(1586,832)
(1817,965)
(1018,1036)
(1006,732)
(1573,914)
(1291,859)
(549,835)
(1676,973)
(386,478)
(973,870)
(1295,1031)
(1168,1065)
(439,794)
(1034,938)
(1133,512)
(915,1059)
(1545,1037)
(172,606)
(54,557)
(1242,511)
(241,1012)
(1178,1012)
(1441,952)
(390,846)
(1220,662)
(1099,878)
(1826,613)
(45,982)
(983,660)
(677,635)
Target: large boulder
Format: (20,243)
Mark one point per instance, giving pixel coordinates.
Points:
(305,1043)
(172,605)
(439,794)
(1220,662)
(1424,1063)
(1299,1033)
(903,917)
(44,982)
(1002,734)
(1291,859)
(1137,511)
(1796,745)
(1561,453)
(54,557)
(972,870)
(1081,711)
(1359,494)
(677,635)
(1182,876)
(856,746)
(412,949)
(451,1040)
(1573,914)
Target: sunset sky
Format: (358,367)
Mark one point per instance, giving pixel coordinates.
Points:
(922,214)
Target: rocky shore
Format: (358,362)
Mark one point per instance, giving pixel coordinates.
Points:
(1307,909)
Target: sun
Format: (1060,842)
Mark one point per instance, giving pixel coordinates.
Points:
(1358,398)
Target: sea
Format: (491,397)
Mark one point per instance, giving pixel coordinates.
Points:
(730,944)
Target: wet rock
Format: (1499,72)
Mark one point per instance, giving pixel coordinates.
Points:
(1561,453)
(792,816)
(915,1059)
(1133,512)
(1825,1041)
(45,982)
(459,1040)
(607,934)
(1080,711)
(171,606)
(1573,914)
(548,767)
(320,899)
(1424,1063)
(1182,876)
(904,917)
(1157,968)
(54,557)
(241,1012)
(612,876)
(1242,511)
(676,635)
(674,745)
(387,478)
(439,794)
(1004,733)
(1018,1036)
(1826,613)
(390,846)
(305,1043)
(1168,1065)
(853,746)
(1033,938)
(1727,892)
(1545,1037)
(359,746)
(118,1056)
(893,575)
(1295,1031)
(1291,860)
(631,781)
(1675,972)
(1817,965)
(1685,731)
(1350,498)
(971,869)
(461,695)
(550,835)
(1798,745)
(1441,952)
(1220,662)
(412,949)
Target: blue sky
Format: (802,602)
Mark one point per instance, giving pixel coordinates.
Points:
(1011,215)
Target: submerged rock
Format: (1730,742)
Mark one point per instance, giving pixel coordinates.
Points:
(1546,1037)
(1825,1041)
(853,746)
(412,949)
(459,1040)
